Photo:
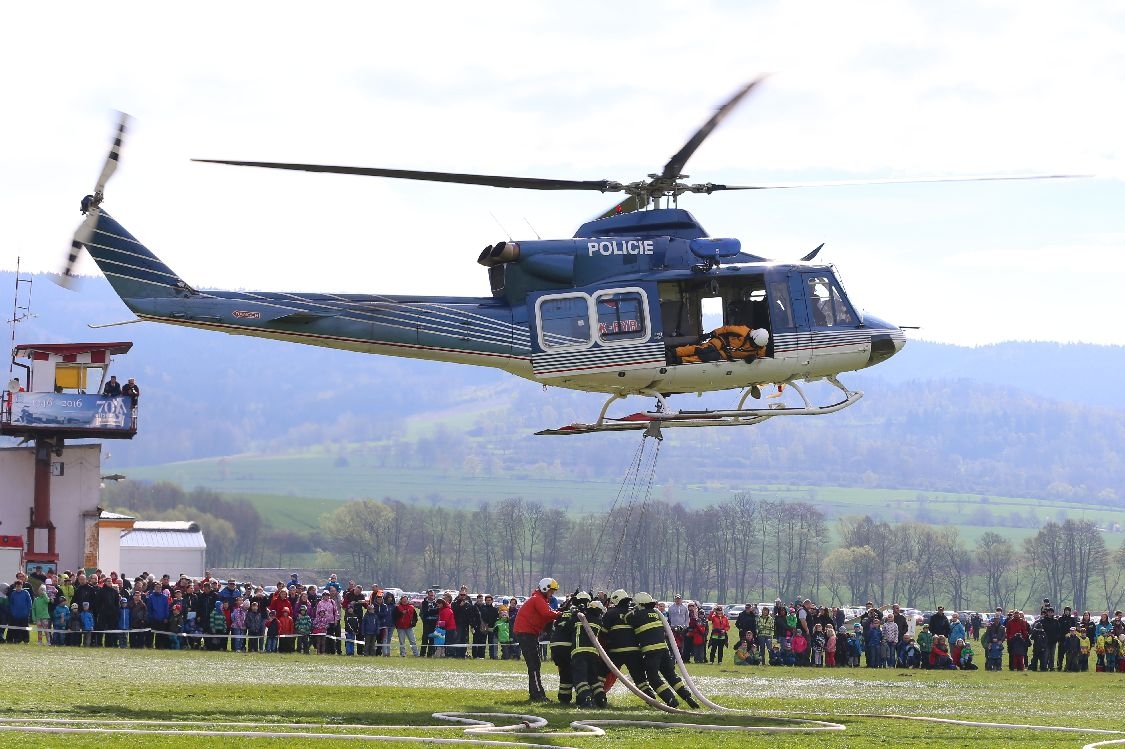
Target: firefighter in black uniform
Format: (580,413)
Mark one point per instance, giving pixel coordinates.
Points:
(562,643)
(621,642)
(586,664)
(648,625)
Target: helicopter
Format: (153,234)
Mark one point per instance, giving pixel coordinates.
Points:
(616,309)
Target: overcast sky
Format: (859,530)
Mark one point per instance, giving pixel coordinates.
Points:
(589,90)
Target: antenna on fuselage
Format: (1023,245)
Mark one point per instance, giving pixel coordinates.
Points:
(507,233)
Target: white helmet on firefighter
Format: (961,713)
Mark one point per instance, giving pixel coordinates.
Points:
(618,596)
(643,599)
(760,337)
(596,605)
(582,598)
(547,585)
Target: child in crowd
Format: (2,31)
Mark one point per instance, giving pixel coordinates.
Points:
(123,622)
(86,617)
(271,632)
(218,621)
(41,615)
(800,645)
(286,642)
(1111,646)
(238,624)
(910,655)
(1083,651)
(74,626)
(60,617)
(255,628)
(504,635)
(994,656)
(819,644)
(776,659)
(873,643)
(369,628)
(855,645)
(302,627)
(176,626)
(193,631)
(788,657)
(1017,649)
(742,652)
(965,657)
(830,646)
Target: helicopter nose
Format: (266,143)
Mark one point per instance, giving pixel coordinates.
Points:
(886,339)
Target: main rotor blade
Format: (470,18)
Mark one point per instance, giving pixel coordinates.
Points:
(904,181)
(527,183)
(675,166)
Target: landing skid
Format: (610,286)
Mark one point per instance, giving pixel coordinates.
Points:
(653,421)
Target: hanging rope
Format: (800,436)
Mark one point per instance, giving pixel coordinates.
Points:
(628,484)
(649,477)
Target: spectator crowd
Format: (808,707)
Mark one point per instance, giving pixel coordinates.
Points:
(99,610)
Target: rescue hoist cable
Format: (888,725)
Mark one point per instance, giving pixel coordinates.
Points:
(613,567)
(632,473)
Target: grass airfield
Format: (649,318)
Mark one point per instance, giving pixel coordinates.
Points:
(353,697)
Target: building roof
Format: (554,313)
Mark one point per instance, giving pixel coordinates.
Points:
(183,526)
(107,515)
(163,534)
(97,352)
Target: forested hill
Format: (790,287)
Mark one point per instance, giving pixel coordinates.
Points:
(1025,419)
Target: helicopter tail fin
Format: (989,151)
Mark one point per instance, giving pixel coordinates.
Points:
(132,269)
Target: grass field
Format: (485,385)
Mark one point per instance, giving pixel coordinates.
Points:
(175,690)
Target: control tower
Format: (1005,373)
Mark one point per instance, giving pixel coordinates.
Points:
(50,405)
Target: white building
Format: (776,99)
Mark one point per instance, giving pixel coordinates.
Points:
(163,547)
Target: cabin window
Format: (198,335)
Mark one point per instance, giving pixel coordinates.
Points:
(621,316)
(781,311)
(564,321)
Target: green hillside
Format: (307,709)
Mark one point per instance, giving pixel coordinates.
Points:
(293,491)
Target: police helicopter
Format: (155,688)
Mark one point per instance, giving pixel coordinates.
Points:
(617,309)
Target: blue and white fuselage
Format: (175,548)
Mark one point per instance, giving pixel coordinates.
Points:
(609,310)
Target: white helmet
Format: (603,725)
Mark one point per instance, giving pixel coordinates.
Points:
(618,596)
(547,585)
(760,337)
(595,604)
(643,599)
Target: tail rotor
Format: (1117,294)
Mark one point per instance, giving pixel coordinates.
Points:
(91,205)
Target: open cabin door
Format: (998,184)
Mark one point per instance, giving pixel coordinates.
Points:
(587,331)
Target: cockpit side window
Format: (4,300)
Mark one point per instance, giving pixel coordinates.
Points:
(827,304)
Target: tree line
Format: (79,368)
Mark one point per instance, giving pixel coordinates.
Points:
(741,549)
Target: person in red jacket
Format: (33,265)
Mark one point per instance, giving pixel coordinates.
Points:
(285,631)
(533,618)
(445,621)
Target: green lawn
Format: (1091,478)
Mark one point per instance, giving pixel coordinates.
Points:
(397,696)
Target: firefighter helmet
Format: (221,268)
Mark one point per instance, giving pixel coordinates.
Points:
(618,596)
(596,605)
(582,598)
(547,585)
(643,599)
